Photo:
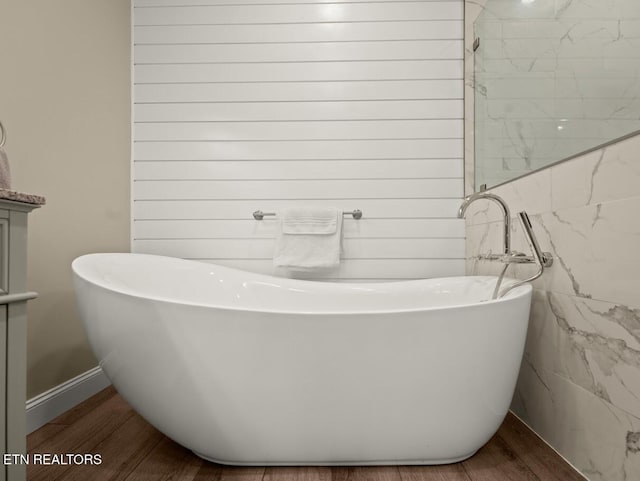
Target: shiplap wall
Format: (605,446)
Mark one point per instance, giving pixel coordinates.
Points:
(259,104)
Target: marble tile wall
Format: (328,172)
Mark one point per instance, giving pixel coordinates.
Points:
(579,384)
(554,77)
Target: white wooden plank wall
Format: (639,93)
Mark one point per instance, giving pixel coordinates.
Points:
(260,104)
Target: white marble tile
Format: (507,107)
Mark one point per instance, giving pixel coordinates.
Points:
(488,29)
(541,348)
(596,252)
(572,181)
(518,66)
(483,237)
(596,437)
(618,175)
(608,174)
(579,386)
(587,9)
(602,319)
(572,63)
(593,344)
(533,399)
(629,28)
(539,86)
(517,108)
(581,87)
(487,239)
(598,108)
(531,193)
(540,9)
(558,27)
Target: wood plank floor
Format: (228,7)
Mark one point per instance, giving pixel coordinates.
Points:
(133,450)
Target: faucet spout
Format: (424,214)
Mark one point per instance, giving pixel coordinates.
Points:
(505,211)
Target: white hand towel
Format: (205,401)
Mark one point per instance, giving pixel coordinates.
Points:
(5,173)
(309,238)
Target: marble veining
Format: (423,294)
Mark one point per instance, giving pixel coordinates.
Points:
(590,432)
(604,362)
(579,384)
(551,78)
(585,323)
(633,442)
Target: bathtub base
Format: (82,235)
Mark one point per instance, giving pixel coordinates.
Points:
(419,462)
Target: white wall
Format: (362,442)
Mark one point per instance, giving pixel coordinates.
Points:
(268,104)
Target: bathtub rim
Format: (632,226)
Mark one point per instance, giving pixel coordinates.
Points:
(518,292)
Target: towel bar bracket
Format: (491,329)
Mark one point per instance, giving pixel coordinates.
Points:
(259,215)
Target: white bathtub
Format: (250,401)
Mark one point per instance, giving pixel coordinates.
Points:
(249,369)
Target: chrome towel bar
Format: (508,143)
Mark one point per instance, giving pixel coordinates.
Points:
(259,215)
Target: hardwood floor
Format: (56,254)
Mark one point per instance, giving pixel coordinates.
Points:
(133,450)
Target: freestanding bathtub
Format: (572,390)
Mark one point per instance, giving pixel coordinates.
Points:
(250,369)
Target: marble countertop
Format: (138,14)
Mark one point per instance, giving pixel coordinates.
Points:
(22,197)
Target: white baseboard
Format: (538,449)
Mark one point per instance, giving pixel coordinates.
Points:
(52,403)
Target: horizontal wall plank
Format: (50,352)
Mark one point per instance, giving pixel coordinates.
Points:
(389,129)
(300,150)
(299,111)
(299,189)
(300,52)
(287,33)
(299,91)
(379,269)
(353,248)
(243,209)
(300,71)
(264,104)
(306,169)
(266,229)
(299,13)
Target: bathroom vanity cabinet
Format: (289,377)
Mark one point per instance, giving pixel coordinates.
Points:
(13,332)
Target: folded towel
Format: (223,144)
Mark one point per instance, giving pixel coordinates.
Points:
(308,239)
(5,173)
